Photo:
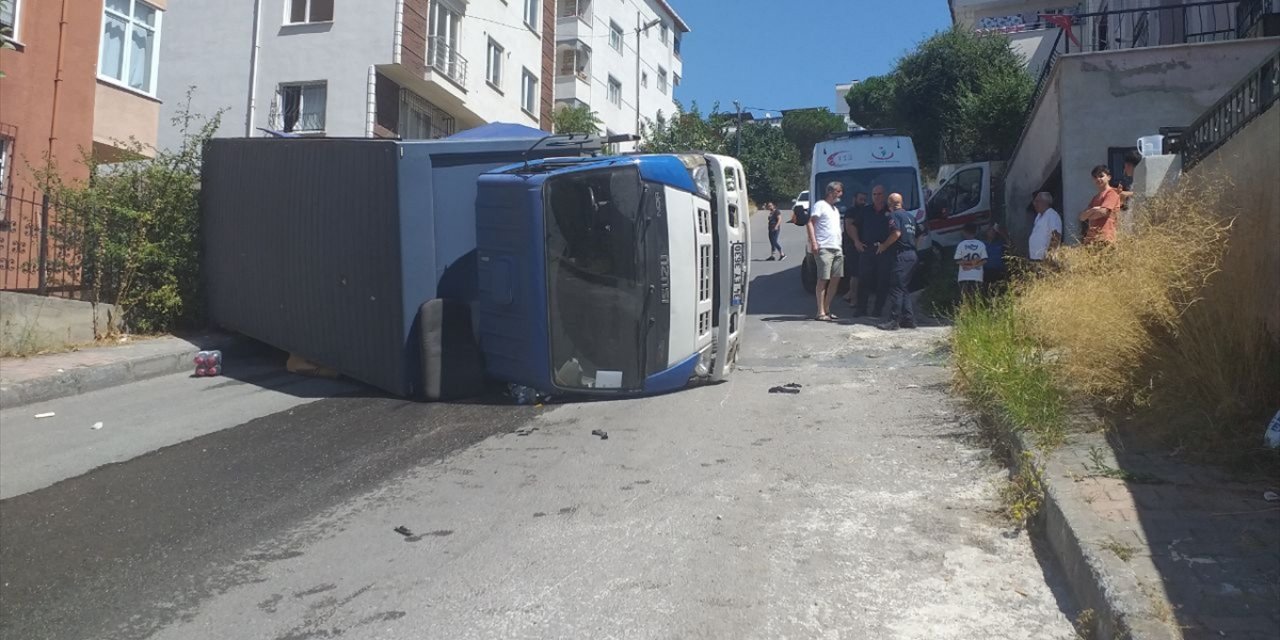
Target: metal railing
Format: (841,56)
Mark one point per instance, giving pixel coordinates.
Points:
(1250,12)
(443,57)
(37,253)
(1247,100)
(1138,28)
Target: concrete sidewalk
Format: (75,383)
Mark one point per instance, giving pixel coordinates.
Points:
(41,378)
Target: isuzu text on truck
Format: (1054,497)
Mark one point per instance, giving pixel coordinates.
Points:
(419,266)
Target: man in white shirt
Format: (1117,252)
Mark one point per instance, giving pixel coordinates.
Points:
(1046,233)
(825,241)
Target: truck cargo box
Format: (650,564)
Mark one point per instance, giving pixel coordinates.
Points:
(327,248)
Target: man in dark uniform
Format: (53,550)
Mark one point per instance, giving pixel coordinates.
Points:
(851,220)
(900,248)
(870,228)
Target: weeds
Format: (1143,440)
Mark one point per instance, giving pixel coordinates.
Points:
(1121,550)
(1004,372)
(1098,467)
(1086,624)
(1023,495)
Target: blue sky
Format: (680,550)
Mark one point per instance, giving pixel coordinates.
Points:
(774,54)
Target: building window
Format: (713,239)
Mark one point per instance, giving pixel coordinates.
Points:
(442,43)
(615,36)
(130,40)
(662,80)
(615,91)
(421,120)
(302,107)
(304,11)
(663,34)
(644,79)
(493,72)
(675,80)
(677,45)
(529,93)
(9,17)
(531,8)
(6,149)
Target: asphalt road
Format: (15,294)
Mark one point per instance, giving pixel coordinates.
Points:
(265,506)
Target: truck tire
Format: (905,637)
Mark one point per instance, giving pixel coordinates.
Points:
(452,364)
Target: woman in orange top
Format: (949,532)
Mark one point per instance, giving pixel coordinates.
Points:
(1101,214)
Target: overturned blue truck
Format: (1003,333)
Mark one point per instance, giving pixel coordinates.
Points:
(425,268)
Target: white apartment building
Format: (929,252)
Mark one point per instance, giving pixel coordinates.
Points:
(597,62)
(359,68)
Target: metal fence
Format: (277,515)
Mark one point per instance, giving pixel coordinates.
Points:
(1137,28)
(38,254)
(1247,100)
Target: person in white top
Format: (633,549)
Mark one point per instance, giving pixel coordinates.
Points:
(971,254)
(825,243)
(1046,233)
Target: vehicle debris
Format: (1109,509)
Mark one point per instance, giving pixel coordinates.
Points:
(790,387)
(604,435)
(46,415)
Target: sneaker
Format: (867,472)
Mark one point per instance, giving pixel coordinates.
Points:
(891,325)
(782,257)
(770,259)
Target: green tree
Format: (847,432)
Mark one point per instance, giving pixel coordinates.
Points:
(686,130)
(774,169)
(871,102)
(807,127)
(576,119)
(138,222)
(960,96)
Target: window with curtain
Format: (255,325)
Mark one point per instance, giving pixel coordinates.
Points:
(529,95)
(662,80)
(302,107)
(494,71)
(130,34)
(303,11)
(9,17)
(531,8)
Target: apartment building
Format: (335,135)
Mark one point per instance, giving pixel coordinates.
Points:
(81,77)
(619,57)
(412,69)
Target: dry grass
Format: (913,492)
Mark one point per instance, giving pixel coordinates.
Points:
(1168,324)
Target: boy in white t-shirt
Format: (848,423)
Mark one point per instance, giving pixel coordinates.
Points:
(971,254)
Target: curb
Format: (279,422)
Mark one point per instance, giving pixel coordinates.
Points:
(93,378)
(1107,587)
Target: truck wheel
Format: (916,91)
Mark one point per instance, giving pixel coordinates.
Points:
(452,364)
(809,274)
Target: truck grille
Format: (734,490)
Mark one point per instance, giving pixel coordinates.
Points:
(704,273)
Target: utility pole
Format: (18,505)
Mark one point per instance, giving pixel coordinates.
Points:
(738,105)
(640,28)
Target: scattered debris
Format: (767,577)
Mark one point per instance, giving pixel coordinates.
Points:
(1271,496)
(46,415)
(404,531)
(526,430)
(97,425)
(604,435)
(873,355)
(302,366)
(524,395)
(790,387)
(719,517)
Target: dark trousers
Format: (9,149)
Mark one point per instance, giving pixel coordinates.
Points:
(904,265)
(774,245)
(872,279)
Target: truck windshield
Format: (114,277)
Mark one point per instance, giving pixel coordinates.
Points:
(894,180)
(596,278)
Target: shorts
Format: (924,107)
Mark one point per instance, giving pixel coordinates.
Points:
(830,262)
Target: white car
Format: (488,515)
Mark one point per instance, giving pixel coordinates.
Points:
(802,200)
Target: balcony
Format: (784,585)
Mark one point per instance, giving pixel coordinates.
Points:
(443,59)
(573,71)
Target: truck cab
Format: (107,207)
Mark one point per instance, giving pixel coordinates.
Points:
(612,276)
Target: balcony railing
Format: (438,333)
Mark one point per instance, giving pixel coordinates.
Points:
(1137,28)
(443,57)
(1254,95)
(1251,12)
